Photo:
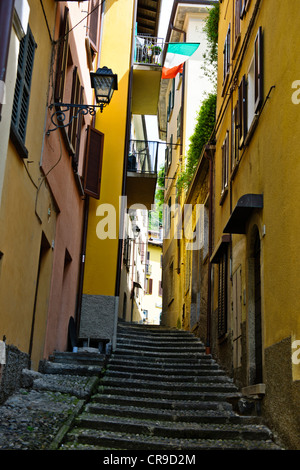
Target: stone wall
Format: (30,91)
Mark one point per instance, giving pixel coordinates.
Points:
(16,361)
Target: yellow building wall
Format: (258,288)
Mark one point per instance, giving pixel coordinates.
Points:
(151,302)
(270,166)
(101,265)
(24,212)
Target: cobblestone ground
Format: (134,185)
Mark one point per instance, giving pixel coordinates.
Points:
(30,419)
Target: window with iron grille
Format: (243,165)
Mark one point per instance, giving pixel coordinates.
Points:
(22,87)
(222,296)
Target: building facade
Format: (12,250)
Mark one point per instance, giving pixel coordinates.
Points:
(184,258)
(255,308)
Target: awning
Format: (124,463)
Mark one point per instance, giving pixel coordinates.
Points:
(221,246)
(242,211)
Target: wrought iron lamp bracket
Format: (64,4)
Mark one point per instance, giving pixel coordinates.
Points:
(60,110)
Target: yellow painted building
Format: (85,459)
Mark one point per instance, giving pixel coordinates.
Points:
(27,215)
(120,22)
(255,325)
(152,300)
(185,262)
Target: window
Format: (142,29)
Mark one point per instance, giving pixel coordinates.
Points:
(258,70)
(127,251)
(244,7)
(76,98)
(22,92)
(91,40)
(225,162)
(149,285)
(237,20)
(179,124)
(242,112)
(62,57)
(234,139)
(171,99)
(226,57)
(160,288)
(93,162)
(222,296)
(250,94)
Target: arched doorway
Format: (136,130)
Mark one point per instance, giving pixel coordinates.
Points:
(255,339)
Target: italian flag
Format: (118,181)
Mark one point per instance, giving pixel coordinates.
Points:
(177,54)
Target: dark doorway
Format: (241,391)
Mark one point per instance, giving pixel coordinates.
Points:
(257,320)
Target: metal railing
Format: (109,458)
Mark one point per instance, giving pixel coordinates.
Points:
(143,156)
(148,50)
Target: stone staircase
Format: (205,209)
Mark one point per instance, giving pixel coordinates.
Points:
(160,392)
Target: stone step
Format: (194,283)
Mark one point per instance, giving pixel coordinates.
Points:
(180,415)
(169,386)
(163,347)
(171,394)
(186,430)
(159,363)
(161,403)
(207,376)
(80,357)
(162,369)
(50,367)
(102,440)
(170,355)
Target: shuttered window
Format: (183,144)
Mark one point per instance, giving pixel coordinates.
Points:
(93,162)
(234,138)
(23,85)
(62,57)
(93,23)
(76,96)
(225,162)
(222,296)
(226,57)
(258,70)
(242,109)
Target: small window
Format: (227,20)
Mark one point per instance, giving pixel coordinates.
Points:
(226,57)
(149,285)
(22,88)
(93,162)
(62,57)
(225,162)
(237,20)
(234,138)
(242,110)
(258,70)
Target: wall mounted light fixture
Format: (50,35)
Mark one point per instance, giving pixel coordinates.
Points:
(104,82)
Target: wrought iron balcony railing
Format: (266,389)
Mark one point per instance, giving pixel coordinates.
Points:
(143,156)
(148,50)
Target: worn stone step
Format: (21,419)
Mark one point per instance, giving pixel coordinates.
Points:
(50,367)
(162,403)
(172,429)
(137,345)
(164,364)
(182,416)
(205,376)
(159,355)
(94,439)
(82,358)
(170,394)
(161,369)
(169,386)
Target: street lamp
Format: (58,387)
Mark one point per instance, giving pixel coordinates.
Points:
(104,82)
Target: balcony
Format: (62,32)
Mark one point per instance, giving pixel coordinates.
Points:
(142,172)
(146,74)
